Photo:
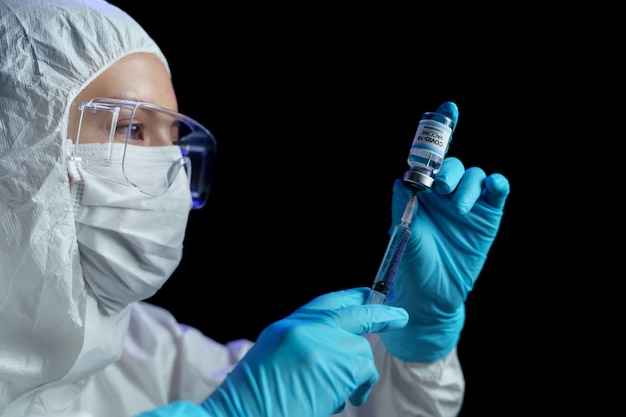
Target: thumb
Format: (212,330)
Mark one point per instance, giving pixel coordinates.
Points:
(346,310)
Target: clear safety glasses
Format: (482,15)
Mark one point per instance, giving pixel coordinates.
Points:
(124,141)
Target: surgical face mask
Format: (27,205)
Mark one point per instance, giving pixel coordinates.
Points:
(129,242)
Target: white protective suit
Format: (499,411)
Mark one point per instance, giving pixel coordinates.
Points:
(59,354)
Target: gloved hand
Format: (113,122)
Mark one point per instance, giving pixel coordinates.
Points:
(452,230)
(310,363)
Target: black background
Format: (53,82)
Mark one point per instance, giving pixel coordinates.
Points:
(314,111)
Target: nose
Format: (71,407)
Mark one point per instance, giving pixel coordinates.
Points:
(161,139)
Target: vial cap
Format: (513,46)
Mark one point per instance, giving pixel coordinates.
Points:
(418,180)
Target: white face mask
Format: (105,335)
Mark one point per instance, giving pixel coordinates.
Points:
(129,243)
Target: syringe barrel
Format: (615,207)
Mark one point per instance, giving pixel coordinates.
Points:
(389,265)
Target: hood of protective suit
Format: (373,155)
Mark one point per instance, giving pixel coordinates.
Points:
(51,332)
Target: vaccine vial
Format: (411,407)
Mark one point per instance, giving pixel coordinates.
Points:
(430,145)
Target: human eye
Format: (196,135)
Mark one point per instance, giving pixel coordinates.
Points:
(134,131)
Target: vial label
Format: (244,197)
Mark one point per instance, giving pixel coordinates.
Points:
(429,145)
(433,136)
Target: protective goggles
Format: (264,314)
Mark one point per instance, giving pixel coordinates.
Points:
(108,133)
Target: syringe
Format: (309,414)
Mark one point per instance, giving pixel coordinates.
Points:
(393,255)
(428,149)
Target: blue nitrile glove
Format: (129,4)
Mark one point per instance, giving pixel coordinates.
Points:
(452,230)
(310,363)
(307,365)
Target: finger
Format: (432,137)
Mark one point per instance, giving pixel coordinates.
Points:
(497,189)
(359,396)
(366,378)
(469,190)
(370,318)
(402,189)
(450,110)
(341,408)
(346,309)
(452,171)
(340,299)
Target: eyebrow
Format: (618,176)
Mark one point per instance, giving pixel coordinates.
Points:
(128,97)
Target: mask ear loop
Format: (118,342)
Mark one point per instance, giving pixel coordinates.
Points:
(77,185)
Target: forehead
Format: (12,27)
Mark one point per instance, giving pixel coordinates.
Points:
(136,77)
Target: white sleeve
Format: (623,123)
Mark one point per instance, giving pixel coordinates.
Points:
(412,388)
(162,361)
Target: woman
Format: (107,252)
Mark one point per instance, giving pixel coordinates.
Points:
(97,177)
